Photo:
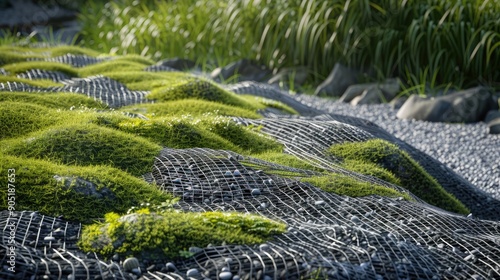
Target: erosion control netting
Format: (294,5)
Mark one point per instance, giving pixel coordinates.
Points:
(328,235)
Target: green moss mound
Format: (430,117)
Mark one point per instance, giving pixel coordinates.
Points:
(371,169)
(36,83)
(213,132)
(14,54)
(192,107)
(199,88)
(110,66)
(411,175)
(19,118)
(88,144)
(265,102)
(346,185)
(82,194)
(170,234)
(16,68)
(52,100)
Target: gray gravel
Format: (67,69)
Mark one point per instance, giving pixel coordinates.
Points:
(467,149)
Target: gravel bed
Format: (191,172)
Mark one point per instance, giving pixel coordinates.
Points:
(467,149)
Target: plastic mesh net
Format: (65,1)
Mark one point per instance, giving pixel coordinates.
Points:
(328,235)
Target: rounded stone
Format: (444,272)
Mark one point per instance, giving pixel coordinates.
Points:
(236,172)
(193,272)
(49,239)
(225,275)
(130,263)
(170,267)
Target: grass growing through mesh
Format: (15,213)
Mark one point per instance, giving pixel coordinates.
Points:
(411,175)
(169,234)
(81,194)
(439,42)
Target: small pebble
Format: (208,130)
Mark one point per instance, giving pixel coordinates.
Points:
(130,263)
(170,267)
(176,180)
(236,172)
(228,173)
(49,239)
(355,219)
(264,247)
(255,192)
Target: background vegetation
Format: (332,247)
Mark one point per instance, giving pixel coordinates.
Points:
(438,44)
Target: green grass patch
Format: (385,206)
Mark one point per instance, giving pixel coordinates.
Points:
(81,194)
(271,103)
(88,144)
(16,68)
(142,80)
(349,186)
(19,118)
(109,66)
(192,107)
(171,234)
(199,88)
(411,175)
(52,100)
(43,83)
(207,131)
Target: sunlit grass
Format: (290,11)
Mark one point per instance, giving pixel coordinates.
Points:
(444,44)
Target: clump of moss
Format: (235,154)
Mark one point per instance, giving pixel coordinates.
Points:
(88,144)
(169,234)
(36,83)
(82,194)
(411,175)
(199,88)
(349,186)
(52,100)
(16,68)
(192,107)
(109,66)
(203,132)
(19,118)
(371,169)
(266,102)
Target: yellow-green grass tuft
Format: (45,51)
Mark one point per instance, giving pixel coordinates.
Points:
(61,100)
(349,186)
(207,131)
(143,80)
(271,103)
(200,88)
(81,194)
(109,66)
(411,175)
(135,58)
(88,144)
(16,68)
(171,234)
(43,83)
(19,118)
(194,107)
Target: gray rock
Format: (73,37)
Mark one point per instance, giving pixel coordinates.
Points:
(225,275)
(337,82)
(390,88)
(397,102)
(242,70)
(85,187)
(177,63)
(355,90)
(131,263)
(372,95)
(493,121)
(23,13)
(193,272)
(465,106)
(284,76)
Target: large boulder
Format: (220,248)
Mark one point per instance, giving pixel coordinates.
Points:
(465,106)
(241,70)
(338,81)
(371,93)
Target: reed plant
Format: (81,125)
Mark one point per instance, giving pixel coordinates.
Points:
(442,43)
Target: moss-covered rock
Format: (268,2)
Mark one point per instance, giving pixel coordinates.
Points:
(169,234)
(411,175)
(79,193)
(88,144)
